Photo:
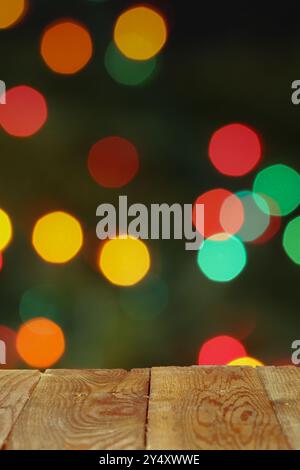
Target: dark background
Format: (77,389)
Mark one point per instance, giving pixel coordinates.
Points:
(224,62)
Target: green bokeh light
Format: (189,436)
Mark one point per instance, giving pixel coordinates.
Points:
(282,184)
(222,261)
(43,301)
(146,300)
(126,71)
(256,216)
(291,240)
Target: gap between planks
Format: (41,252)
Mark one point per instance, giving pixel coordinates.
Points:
(179,408)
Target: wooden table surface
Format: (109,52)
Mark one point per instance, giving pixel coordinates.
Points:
(160,408)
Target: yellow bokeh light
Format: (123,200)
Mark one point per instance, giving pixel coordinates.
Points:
(57,237)
(140,33)
(11,11)
(245,361)
(5,230)
(124,261)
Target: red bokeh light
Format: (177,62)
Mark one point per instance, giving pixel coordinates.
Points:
(113,162)
(235,150)
(220,350)
(25,111)
(219,216)
(272,230)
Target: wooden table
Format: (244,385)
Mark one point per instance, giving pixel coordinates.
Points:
(159,408)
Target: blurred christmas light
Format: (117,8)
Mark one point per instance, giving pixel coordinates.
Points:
(66,47)
(8,335)
(146,300)
(246,361)
(57,237)
(219,216)
(291,240)
(11,12)
(25,111)
(222,259)
(43,300)
(281,184)
(40,343)
(257,218)
(126,71)
(271,231)
(140,33)
(6,230)
(220,350)
(124,260)
(113,162)
(235,150)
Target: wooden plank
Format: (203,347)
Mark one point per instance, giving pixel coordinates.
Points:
(85,409)
(211,408)
(283,388)
(15,390)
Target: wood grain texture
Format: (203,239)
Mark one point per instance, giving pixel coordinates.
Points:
(85,409)
(15,390)
(211,408)
(283,388)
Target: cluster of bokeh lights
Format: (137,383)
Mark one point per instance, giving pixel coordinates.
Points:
(247,216)
(232,218)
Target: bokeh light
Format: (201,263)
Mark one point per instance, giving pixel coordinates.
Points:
(126,71)
(220,350)
(25,111)
(291,240)
(220,216)
(140,33)
(270,232)
(281,184)
(246,361)
(256,220)
(6,230)
(57,237)
(124,260)
(43,300)
(40,343)
(222,259)
(66,47)
(11,12)
(145,300)
(9,336)
(235,150)
(113,162)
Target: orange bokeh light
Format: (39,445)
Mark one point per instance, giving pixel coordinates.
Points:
(40,343)
(66,47)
